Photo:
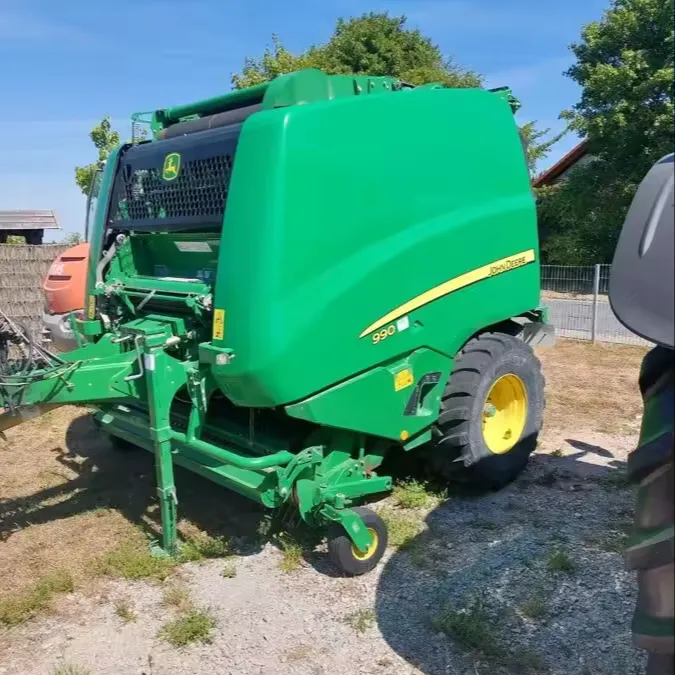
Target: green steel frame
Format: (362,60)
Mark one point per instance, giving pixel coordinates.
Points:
(135,388)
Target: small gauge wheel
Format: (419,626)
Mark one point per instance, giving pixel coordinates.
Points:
(347,557)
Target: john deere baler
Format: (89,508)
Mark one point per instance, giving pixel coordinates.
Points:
(288,281)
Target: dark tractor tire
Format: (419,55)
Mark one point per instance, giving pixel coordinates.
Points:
(491,413)
(347,557)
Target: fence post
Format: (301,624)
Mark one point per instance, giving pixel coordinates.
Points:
(596,292)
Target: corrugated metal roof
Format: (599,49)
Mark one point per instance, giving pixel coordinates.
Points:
(28,220)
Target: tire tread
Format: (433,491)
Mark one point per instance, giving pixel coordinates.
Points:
(454,420)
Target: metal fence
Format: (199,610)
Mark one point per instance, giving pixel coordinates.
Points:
(579,305)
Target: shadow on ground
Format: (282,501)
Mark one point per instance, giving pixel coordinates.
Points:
(111,478)
(479,591)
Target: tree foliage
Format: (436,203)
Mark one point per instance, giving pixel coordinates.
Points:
(579,220)
(538,144)
(72,239)
(625,67)
(624,64)
(372,44)
(105,139)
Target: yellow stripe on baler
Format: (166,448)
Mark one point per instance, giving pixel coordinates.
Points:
(490,270)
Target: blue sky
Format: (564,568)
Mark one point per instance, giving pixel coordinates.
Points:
(66,64)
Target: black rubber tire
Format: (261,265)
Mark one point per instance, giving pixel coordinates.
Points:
(340,547)
(459,451)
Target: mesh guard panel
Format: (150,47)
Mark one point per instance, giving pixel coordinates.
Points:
(143,199)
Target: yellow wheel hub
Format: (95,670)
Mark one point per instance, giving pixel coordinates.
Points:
(504,414)
(365,555)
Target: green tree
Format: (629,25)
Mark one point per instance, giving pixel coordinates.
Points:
(72,239)
(579,220)
(625,67)
(538,144)
(276,60)
(105,139)
(372,44)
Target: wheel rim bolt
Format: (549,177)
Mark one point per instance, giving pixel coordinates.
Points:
(489,410)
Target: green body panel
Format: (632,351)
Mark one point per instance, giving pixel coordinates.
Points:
(361,205)
(389,390)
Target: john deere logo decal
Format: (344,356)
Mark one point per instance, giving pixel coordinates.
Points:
(171,166)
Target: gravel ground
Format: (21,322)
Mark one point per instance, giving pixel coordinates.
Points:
(535,566)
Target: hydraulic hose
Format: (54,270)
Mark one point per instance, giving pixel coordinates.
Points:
(223,119)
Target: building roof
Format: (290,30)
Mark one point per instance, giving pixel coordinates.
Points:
(563,164)
(28,220)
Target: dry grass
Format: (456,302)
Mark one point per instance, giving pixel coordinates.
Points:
(535,606)
(49,517)
(592,386)
(293,553)
(573,296)
(71,669)
(19,606)
(178,597)
(125,611)
(229,571)
(298,653)
(361,619)
(68,500)
(133,560)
